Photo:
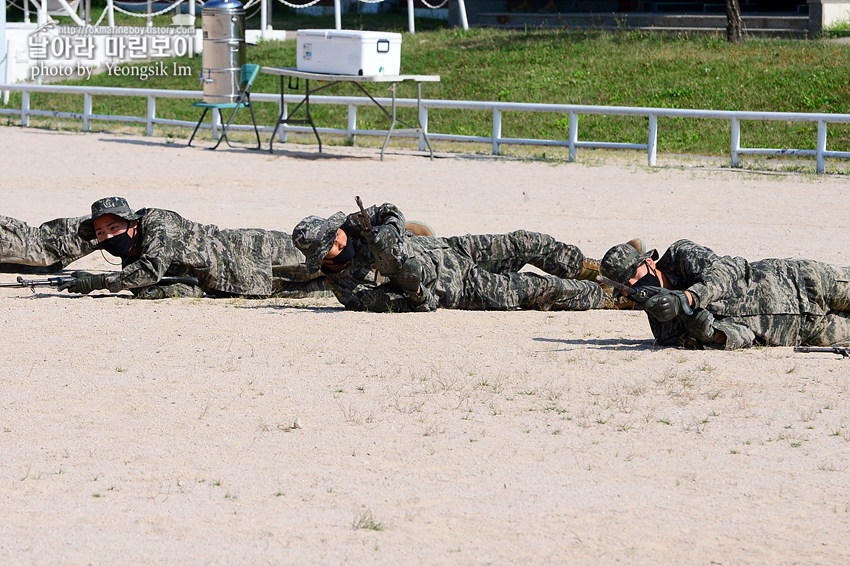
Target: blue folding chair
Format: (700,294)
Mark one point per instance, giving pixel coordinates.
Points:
(248,74)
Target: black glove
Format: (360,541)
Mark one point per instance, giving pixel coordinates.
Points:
(423,301)
(409,277)
(382,237)
(664,305)
(84,282)
(387,248)
(700,325)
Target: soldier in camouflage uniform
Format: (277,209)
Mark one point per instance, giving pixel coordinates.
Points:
(154,243)
(46,249)
(727,302)
(384,268)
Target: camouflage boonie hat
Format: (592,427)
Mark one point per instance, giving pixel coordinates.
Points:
(315,236)
(109,205)
(620,262)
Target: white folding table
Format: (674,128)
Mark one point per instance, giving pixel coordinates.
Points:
(357,80)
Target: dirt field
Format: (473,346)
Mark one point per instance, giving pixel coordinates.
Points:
(162,432)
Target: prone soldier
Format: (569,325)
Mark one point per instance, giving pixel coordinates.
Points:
(697,298)
(49,248)
(154,243)
(376,265)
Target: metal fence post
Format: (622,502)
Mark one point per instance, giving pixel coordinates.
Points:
(151,114)
(573,134)
(284,113)
(216,122)
(25,108)
(821,166)
(352,123)
(736,141)
(423,122)
(86,112)
(497,129)
(652,142)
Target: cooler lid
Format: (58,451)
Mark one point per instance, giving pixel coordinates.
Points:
(362,34)
(222,6)
(312,33)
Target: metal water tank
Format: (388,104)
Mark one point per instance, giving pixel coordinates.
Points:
(224,49)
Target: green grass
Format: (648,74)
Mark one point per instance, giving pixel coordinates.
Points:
(565,67)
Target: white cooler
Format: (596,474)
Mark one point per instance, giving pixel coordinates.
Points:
(348,52)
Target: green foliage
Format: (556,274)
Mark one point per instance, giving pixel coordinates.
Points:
(626,68)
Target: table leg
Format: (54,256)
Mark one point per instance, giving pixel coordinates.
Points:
(309,117)
(394,121)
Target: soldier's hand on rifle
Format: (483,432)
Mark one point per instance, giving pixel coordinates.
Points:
(84,282)
(410,280)
(409,277)
(386,245)
(700,325)
(383,238)
(664,304)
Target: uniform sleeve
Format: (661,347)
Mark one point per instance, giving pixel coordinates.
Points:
(160,233)
(737,335)
(712,277)
(167,291)
(388,214)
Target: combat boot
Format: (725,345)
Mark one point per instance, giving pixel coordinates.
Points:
(419,228)
(637,243)
(589,269)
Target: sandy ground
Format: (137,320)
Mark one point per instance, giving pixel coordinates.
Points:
(161,432)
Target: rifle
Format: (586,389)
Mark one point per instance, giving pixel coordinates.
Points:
(636,294)
(56,281)
(32,283)
(364,219)
(843,352)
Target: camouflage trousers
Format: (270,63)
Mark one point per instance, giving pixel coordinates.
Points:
(826,288)
(51,246)
(487,275)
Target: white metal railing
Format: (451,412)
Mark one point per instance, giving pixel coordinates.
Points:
(497,108)
(265,12)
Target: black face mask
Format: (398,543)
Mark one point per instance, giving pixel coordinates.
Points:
(648,280)
(339,262)
(119,245)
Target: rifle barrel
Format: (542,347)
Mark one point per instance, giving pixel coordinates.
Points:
(46,282)
(363,218)
(843,352)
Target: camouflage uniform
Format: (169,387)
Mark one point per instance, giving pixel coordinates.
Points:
(776,302)
(476,272)
(46,249)
(244,262)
